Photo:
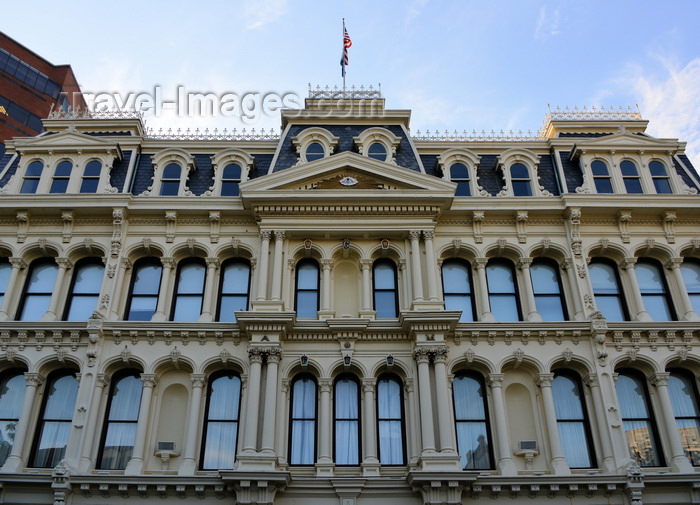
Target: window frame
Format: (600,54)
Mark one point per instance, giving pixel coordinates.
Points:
(665,294)
(470,293)
(176,295)
(292,419)
(66,178)
(206,419)
(312,134)
(470,160)
(504,262)
(222,279)
(36,178)
(71,291)
(5,377)
(402,418)
(478,378)
(584,420)
(25,288)
(161,161)
(223,159)
(561,295)
(686,375)
(84,178)
(655,178)
(694,296)
(394,290)
(301,263)
(138,264)
(607,178)
(378,135)
(626,178)
(621,296)
(357,420)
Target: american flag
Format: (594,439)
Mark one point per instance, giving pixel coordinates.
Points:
(346,43)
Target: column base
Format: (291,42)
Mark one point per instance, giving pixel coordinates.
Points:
(48,316)
(326,314)
(324,468)
(370,467)
(134,467)
(426,305)
(681,464)
(267,305)
(560,467)
(187,467)
(12,464)
(507,468)
(85,465)
(534,316)
(368,314)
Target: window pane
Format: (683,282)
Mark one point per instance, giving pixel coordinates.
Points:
(545,285)
(29,186)
(314,151)
(171,171)
(389,399)
(86,290)
(608,296)
(38,292)
(468,399)
(502,294)
(307,275)
(473,446)
(63,169)
(235,278)
(636,418)
(120,430)
(12,388)
(191,278)
(574,444)
(603,186)
(229,188)
(220,446)
(89,185)
(628,169)
(384,275)
(126,398)
(385,303)
(169,188)
(34,169)
(390,421)
(59,186)
(377,151)
(142,308)
(571,421)
(54,427)
(229,304)
(457,288)
(232,171)
(519,171)
(599,168)
(222,423)
(147,279)
(460,302)
(662,186)
(224,398)
(303,436)
(653,289)
(459,171)
(691,277)
(190,291)
(346,422)
(118,446)
(92,169)
(522,188)
(188,308)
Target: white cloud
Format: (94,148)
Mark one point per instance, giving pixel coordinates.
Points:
(547,23)
(414,10)
(261,12)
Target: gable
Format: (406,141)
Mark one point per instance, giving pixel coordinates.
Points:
(624,140)
(68,140)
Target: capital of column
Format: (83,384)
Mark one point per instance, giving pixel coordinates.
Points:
(544,380)
(524,263)
(369,384)
(198,380)
(421,355)
(212,262)
(440,354)
(274,355)
(591,380)
(279,235)
(480,263)
(64,263)
(18,263)
(428,234)
(414,234)
(265,234)
(34,379)
(325,385)
(102,380)
(366,263)
(659,379)
(326,263)
(495,380)
(674,263)
(291,264)
(284,385)
(408,385)
(255,355)
(628,263)
(402,264)
(566,263)
(149,380)
(126,263)
(168,261)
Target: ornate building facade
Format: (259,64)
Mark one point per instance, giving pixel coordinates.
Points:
(349,313)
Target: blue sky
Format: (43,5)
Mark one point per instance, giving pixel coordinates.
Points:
(464,65)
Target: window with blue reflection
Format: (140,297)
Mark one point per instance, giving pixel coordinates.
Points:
(377,150)
(684,398)
(606,289)
(503,298)
(233,290)
(5,271)
(122,417)
(347,420)
(189,290)
(32,175)
(457,288)
(690,269)
(390,420)
(12,388)
(459,174)
(302,440)
(659,175)
(170,180)
(53,427)
(38,289)
(221,422)
(601,177)
(638,422)
(386,300)
(315,151)
(471,419)
(145,286)
(652,286)
(91,177)
(630,176)
(546,286)
(230,179)
(85,290)
(307,291)
(572,421)
(520,179)
(61,177)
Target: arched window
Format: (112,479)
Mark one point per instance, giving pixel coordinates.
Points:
(377,150)
(61,177)
(390,420)
(503,298)
(637,419)
(572,421)
(145,286)
(12,388)
(221,422)
(630,176)
(386,300)
(189,290)
(32,175)
(601,177)
(307,291)
(546,286)
(459,174)
(54,424)
(315,151)
(91,177)
(472,425)
(606,288)
(230,179)
(5,270)
(122,417)
(457,288)
(233,289)
(652,285)
(691,277)
(37,290)
(684,398)
(302,439)
(520,180)
(170,180)
(347,420)
(659,175)
(85,290)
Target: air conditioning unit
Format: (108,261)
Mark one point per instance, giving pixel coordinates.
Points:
(527,445)
(166,446)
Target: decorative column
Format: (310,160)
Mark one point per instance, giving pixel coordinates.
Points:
(422,357)
(569,267)
(412,419)
(674,265)
(250,437)
(417,277)
(483,290)
(447,443)
(627,265)
(325,419)
(209,286)
(17,265)
(270,412)
(264,260)
(164,292)
(366,265)
(277,266)
(124,266)
(679,462)
(14,460)
(135,464)
(431,265)
(64,264)
(189,465)
(370,463)
(505,460)
(403,297)
(524,267)
(281,428)
(326,265)
(591,380)
(558,462)
(101,382)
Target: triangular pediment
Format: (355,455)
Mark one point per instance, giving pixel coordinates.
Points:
(626,140)
(69,140)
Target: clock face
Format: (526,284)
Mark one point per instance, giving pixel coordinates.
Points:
(348,181)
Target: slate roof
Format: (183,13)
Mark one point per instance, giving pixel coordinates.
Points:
(572,172)
(487,175)
(11,171)
(686,178)
(143,174)
(119,170)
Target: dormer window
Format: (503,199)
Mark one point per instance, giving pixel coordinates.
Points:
(61,177)
(377,150)
(459,174)
(315,151)
(230,179)
(170,180)
(459,166)
(630,176)
(314,143)
(659,176)
(91,177)
(172,168)
(231,167)
(601,177)
(32,176)
(519,170)
(378,143)
(520,179)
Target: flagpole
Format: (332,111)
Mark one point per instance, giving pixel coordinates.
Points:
(343,55)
